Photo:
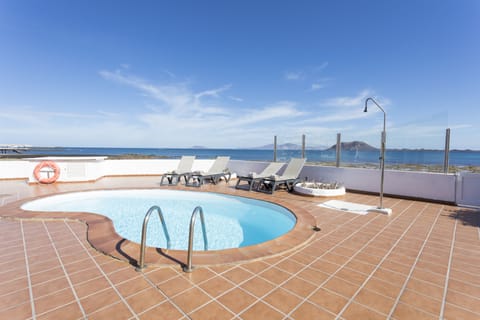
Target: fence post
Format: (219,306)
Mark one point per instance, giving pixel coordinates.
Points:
(303,146)
(274,148)
(339,148)
(447,151)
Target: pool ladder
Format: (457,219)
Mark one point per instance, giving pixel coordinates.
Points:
(188,267)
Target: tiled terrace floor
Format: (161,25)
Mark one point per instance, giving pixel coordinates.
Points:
(422,262)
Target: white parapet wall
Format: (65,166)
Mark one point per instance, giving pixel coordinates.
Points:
(423,185)
(463,189)
(468,189)
(414,184)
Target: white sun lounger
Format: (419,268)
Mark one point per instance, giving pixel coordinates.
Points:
(217,171)
(254,178)
(288,178)
(184,169)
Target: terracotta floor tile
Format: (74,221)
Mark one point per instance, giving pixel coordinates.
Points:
(341,286)
(466,288)
(69,311)
(390,276)
(313,276)
(84,276)
(200,275)
(20,311)
(464,301)
(213,311)
(90,287)
(282,300)
(462,276)
(191,299)
(261,311)
(275,275)
(257,286)
(328,300)
(382,287)
(236,300)
(132,286)
(454,312)
(425,288)
(123,275)
(8,287)
(308,311)
(360,266)
(52,301)
(160,275)
(165,310)
(356,311)
(289,266)
(404,311)
(116,311)
(43,266)
(174,286)
(421,302)
(431,277)
(113,266)
(256,267)
(99,300)
(335,258)
(302,258)
(145,299)
(237,275)
(47,275)
(299,286)
(79,266)
(216,286)
(50,287)
(375,301)
(351,276)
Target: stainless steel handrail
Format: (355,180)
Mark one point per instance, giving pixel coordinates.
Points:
(188,267)
(141,263)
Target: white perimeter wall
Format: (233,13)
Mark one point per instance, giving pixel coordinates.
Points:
(463,189)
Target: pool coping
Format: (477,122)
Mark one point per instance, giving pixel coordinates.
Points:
(102,236)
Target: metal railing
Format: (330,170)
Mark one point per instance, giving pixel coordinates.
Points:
(189,267)
(141,261)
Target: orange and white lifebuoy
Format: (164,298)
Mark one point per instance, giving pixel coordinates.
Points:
(55,169)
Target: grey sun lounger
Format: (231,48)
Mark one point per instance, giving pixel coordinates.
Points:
(217,171)
(184,169)
(254,178)
(288,178)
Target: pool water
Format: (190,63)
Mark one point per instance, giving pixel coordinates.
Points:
(230,221)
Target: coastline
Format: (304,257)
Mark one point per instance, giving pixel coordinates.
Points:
(434,168)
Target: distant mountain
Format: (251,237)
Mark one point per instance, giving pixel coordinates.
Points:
(354,146)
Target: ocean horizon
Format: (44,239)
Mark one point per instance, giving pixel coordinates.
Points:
(392,156)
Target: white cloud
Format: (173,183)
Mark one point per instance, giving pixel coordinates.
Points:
(294,75)
(237,99)
(357,100)
(317,86)
(213,92)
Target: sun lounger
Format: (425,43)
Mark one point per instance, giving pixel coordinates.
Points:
(288,178)
(254,178)
(184,169)
(218,171)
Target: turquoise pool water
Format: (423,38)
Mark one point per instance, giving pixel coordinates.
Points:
(231,222)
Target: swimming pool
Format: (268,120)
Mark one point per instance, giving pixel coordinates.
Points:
(231,221)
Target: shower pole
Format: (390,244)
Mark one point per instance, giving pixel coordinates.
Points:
(382,156)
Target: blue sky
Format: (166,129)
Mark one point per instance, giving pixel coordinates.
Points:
(236,73)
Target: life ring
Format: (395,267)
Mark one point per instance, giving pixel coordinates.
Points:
(47,164)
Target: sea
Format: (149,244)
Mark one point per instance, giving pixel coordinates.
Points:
(392,157)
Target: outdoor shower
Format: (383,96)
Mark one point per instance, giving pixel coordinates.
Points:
(382,157)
